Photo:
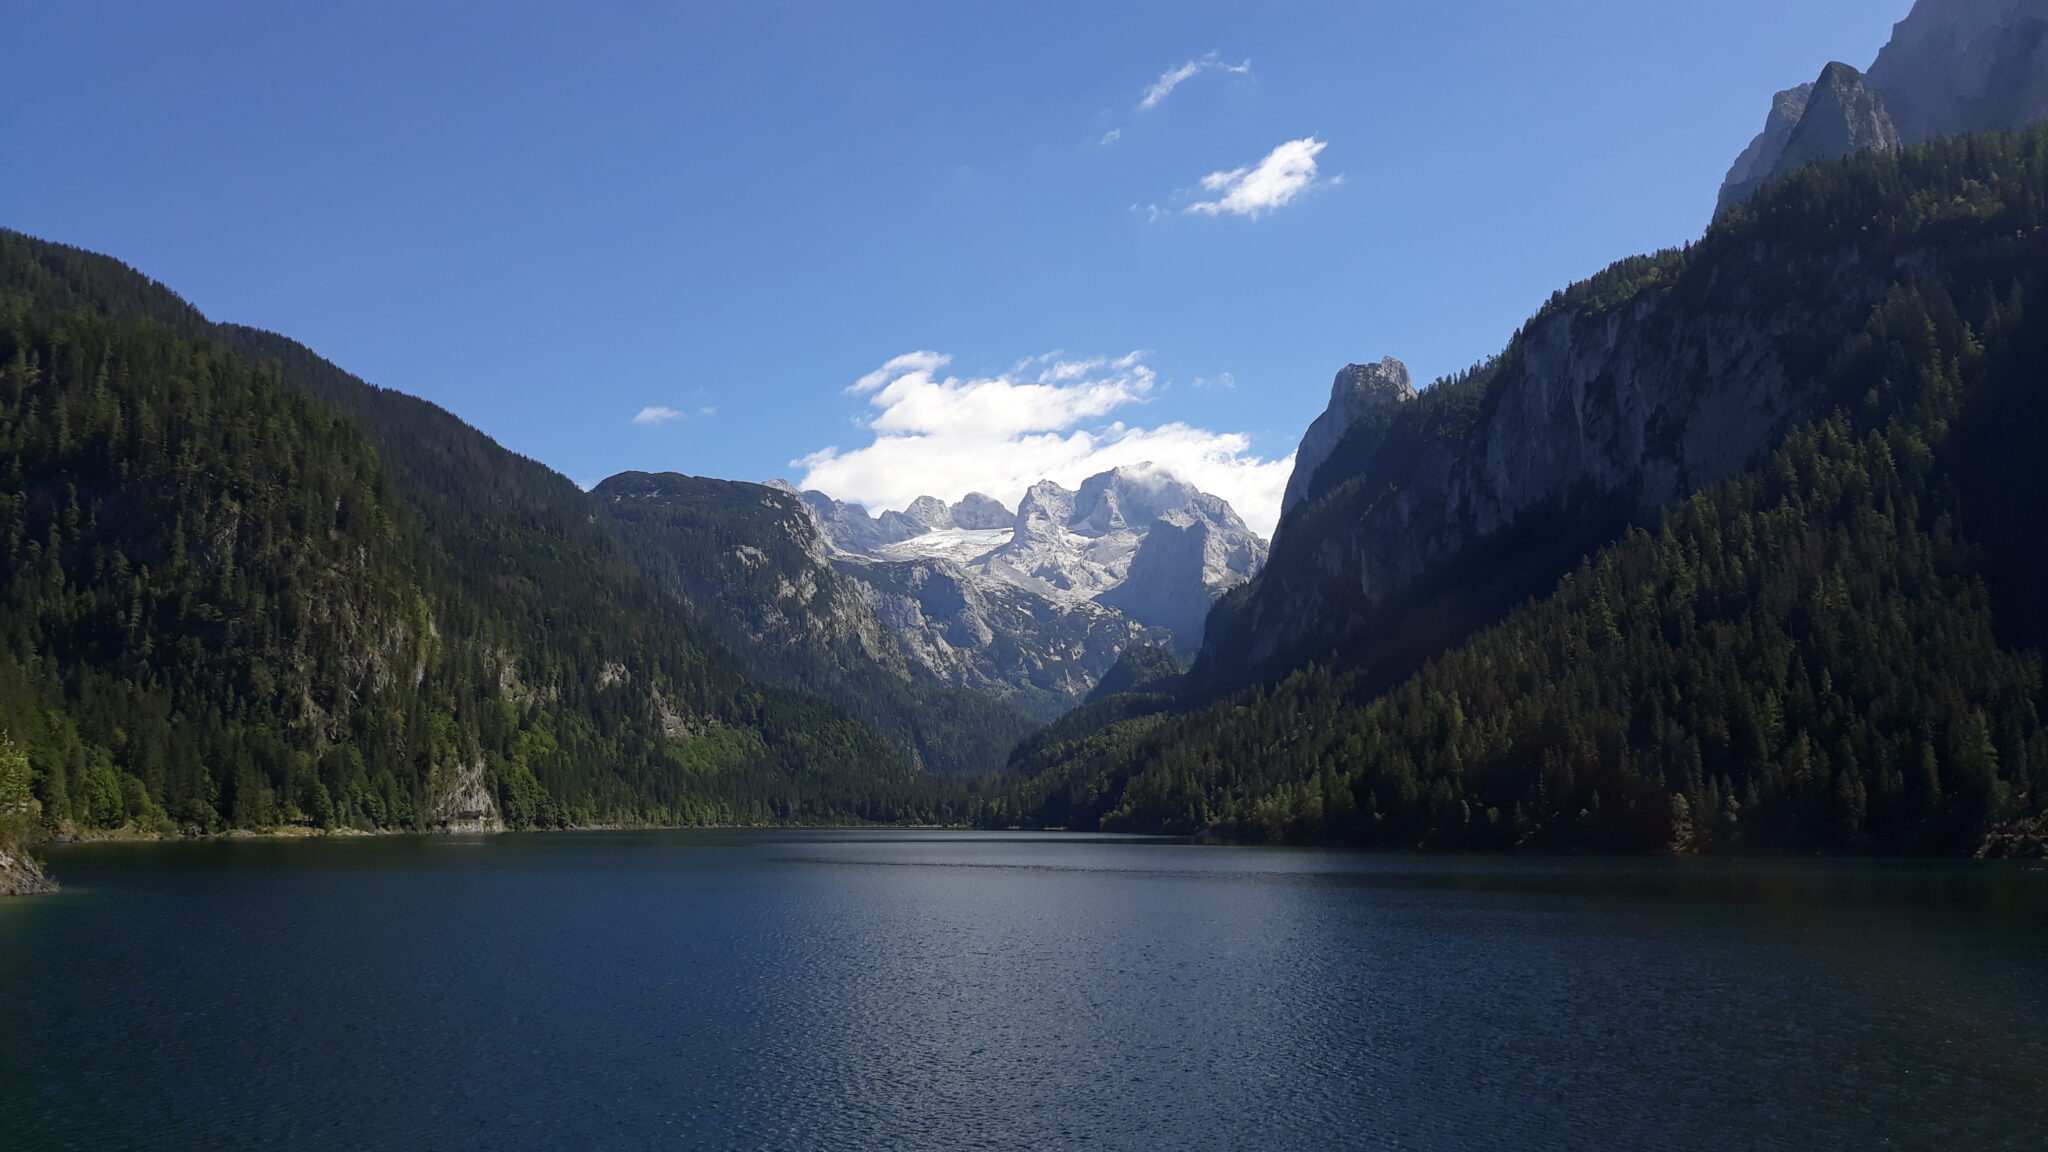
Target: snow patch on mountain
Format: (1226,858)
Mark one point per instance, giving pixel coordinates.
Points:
(1071,548)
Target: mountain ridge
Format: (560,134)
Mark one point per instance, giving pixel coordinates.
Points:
(1951,66)
(1035,605)
(1510,670)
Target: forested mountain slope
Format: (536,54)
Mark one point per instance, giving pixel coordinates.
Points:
(1836,648)
(1624,393)
(243,588)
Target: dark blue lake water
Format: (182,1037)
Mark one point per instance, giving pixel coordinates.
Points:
(899,990)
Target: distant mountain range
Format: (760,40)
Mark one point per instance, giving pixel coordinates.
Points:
(1036,605)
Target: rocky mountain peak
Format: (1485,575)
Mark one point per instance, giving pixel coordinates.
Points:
(1130,496)
(1754,166)
(1952,66)
(931,512)
(1386,382)
(1843,117)
(1837,115)
(979,512)
(1075,550)
(1045,509)
(849,527)
(1361,392)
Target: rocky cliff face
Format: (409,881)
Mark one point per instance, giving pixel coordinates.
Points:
(1759,161)
(21,875)
(1362,393)
(1631,390)
(1843,117)
(1965,66)
(1038,655)
(1180,566)
(1952,66)
(460,800)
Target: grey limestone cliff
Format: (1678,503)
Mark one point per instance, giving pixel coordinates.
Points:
(21,875)
(1639,402)
(1178,570)
(1758,161)
(1033,653)
(460,800)
(1837,115)
(979,512)
(1843,117)
(1362,392)
(1965,66)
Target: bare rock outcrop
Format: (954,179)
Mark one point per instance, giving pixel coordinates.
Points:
(21,875)
(461,800)
(1362,392)
(1837,115)
(1965,66)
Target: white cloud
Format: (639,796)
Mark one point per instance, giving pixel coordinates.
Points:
(707,411)
(1285,173)
(1174,77)
(1046,419)
(658,414)
(1112,136)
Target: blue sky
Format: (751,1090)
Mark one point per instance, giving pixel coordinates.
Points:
(553,219)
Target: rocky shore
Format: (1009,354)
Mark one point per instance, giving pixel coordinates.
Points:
(20,875)
(2017,840)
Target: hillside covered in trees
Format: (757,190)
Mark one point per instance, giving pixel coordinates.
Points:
(1838,649)
(240,588)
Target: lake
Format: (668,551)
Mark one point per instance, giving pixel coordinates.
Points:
(905,990)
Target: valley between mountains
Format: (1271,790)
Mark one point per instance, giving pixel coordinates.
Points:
(1735,547)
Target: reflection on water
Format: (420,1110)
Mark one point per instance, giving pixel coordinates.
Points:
(951,990)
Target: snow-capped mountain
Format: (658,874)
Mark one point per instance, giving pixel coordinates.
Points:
(1062,584)
(1100,544)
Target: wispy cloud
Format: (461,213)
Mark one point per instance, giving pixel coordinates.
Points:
(658,414)
(1174,77)
(1049,417)
(1111,137)
(1285,173)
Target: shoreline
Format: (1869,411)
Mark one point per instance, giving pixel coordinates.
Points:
(292,832)
(21,874)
